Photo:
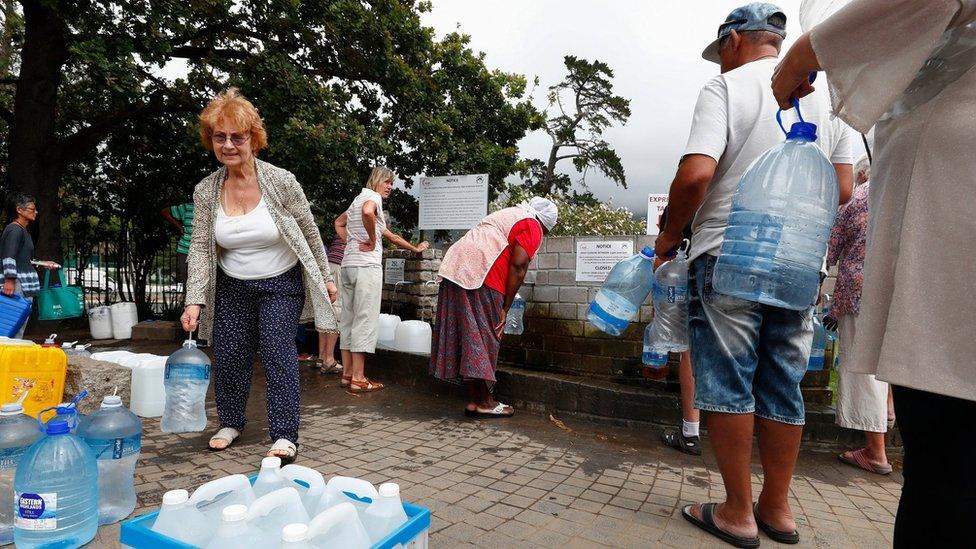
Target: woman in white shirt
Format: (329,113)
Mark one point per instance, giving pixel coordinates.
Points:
(257,267)
(362,276)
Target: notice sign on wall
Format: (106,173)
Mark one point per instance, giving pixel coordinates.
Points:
(393,271)
(595,259)
(655,207)
(453,201)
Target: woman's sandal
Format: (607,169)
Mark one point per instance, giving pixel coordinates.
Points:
(345,382)
(707,523)
(364,386)
(333,368)
(788,538)
(499,411)
(285,450)
(859,459)
(226,434)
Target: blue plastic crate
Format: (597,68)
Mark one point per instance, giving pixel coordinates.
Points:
(137,533)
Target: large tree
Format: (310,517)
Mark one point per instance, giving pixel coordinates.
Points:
(581,108)
(341,84)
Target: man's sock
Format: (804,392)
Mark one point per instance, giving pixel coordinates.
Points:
(689,428)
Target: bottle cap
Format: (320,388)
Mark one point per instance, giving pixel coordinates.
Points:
(647,252)
(57,426)
(175,497)
(190,343)
(12,409)
(271,462)
(294,532)
(111,401)
(234,513)
(803,131)
(389,490)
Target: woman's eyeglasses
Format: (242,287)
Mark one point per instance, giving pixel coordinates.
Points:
(235,138)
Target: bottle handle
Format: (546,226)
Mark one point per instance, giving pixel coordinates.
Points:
(796,105)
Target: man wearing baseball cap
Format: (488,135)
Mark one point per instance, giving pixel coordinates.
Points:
(748,358)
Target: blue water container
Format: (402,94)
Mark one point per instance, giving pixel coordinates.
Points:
(623,292)
(18,432)
(779,224)
(14,311)
(115,436)
(56,491)
(816,361)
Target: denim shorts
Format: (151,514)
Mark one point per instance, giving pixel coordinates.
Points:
(747,357)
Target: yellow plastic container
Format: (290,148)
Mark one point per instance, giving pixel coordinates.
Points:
(40,370)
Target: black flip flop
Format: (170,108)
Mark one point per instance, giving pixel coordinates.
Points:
(788,538)
(495,413)
(681,443)
(707,523)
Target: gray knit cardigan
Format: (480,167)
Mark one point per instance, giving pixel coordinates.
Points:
(290,210)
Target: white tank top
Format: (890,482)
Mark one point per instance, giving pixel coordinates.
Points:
(251,246)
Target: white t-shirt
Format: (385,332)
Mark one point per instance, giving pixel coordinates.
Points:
(734,123)
(251,246)
(353,256)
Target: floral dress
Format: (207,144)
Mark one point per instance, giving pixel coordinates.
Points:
(846,245)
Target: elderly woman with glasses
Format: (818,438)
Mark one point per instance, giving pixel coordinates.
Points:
(257,267)
(17,251)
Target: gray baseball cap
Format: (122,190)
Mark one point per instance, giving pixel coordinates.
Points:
(757,16)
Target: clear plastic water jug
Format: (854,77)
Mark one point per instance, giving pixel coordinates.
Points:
(115,436)
(181,520)
(272,512)
(816,361)
(295,536)
(385,515)
(56,491)
(623,292)
(269,477)
(338,491)
(186,380)
(339,526)
(779,224)
(515,323)
(210,498)
(17,432)
(234,531)
(309,483)
(668,332)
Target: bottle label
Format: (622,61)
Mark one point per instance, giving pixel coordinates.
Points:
(115,448)
(618,308)
(10,457)
(672,294)
(188,372)
(36,511)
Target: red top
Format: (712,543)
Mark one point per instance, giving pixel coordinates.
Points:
(527,234)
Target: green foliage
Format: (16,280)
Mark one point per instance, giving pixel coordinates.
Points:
(581,214)
(581,108)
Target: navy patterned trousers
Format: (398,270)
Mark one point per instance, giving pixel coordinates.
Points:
(252,314)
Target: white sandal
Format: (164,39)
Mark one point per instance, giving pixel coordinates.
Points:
(227,434)
(286,446)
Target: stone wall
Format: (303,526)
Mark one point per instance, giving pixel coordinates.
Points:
(557,337)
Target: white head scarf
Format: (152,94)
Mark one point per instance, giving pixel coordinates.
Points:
(543,209)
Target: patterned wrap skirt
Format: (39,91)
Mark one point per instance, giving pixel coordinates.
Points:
(465,345)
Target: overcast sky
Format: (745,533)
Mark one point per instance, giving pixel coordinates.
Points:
(654,48)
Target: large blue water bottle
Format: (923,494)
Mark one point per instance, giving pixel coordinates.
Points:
(18,432)
(115,436)
(668,331)
(779,224)
(816,361)
(623,292)
(56,490)
(186,380)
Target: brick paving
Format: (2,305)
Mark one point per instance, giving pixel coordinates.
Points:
(523,482)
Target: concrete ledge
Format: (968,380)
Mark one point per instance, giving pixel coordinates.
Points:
(599,401)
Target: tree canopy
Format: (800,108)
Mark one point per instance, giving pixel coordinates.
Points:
(341,85)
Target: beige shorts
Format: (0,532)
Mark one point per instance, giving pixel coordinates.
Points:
(336,271)
(362,292)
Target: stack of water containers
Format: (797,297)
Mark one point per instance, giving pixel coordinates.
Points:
(668,332)
(289,506)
